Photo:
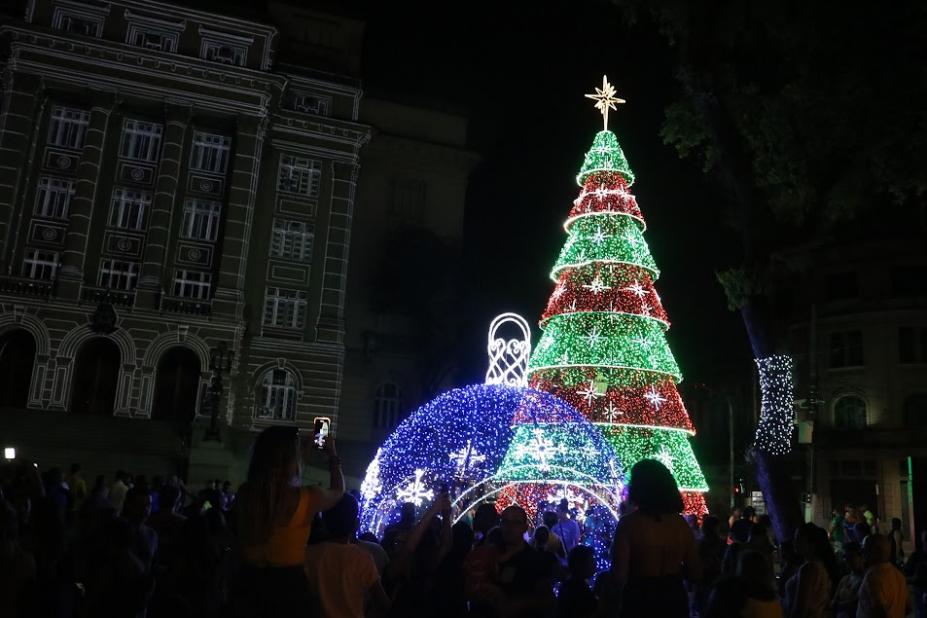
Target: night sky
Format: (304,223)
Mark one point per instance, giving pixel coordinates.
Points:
(520,76)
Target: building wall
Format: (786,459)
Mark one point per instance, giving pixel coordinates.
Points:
(293,146)
(415,173)
(867,298)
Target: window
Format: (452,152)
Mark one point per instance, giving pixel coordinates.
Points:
(841,286)
(310,103)
(299,176)
(192,284)
(38,264)
(292,240)
(52,197)
(118,275)
(225,53)
(850,413)
(277,399)
(284,308)
(210,152)
(140,140)
(908,281)
(152,38)
(77,23)
(846,349)
(387,406)
(408,199)
(67,127)
(129,207)
(912,345)
(915,410)
(201,219)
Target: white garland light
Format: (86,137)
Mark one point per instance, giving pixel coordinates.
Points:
(777,412)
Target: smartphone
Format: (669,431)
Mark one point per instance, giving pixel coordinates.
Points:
(321,428)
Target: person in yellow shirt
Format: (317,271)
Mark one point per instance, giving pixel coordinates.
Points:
(341,575)
(884,591)
(272,517)
(77,488)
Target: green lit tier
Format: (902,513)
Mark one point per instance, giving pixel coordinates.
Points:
(605,155)
(669,446)
(607,340)
(605,239)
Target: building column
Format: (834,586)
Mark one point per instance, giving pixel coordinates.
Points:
(23,106)
(330,326)
(249,142)
(80,214)
(151,281)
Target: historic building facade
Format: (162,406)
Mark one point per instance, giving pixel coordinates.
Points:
(857,325)
(412,190)
(175,215)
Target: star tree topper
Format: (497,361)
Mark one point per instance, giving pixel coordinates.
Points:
(605,99)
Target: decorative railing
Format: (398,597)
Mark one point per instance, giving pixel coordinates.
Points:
(38,288)
(189,306)
(122,298)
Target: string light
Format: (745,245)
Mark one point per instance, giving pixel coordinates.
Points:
(604,239)
(777,411)
(606,323)
(570,333)
(619,289)
(476,441)
(605,192)
(605,155)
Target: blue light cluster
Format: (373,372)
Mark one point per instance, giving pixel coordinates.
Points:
(475,440)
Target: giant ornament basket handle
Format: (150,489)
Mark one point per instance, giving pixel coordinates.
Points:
(508,358)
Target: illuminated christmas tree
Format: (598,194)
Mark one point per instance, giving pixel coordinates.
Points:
(604,349)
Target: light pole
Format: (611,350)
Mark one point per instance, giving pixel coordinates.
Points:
(730,446)
(220,361)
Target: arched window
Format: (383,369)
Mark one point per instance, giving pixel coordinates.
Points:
(850,413)
(387,405)
(915,410)
(277,395)
(17,357)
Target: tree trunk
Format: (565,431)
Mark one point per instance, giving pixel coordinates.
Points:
(772,476)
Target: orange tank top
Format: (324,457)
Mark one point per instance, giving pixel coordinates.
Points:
(287,544)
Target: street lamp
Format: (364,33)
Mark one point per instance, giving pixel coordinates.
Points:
(220,361)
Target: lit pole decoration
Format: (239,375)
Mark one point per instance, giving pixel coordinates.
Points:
(603,347)
(777,410)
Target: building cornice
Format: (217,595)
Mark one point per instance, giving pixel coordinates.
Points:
(114,56)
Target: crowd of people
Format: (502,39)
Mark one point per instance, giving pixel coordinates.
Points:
(136,548)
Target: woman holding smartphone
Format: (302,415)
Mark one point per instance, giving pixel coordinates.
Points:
(273,516)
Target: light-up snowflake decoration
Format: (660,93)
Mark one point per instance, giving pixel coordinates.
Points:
(540,449)
(655,398)
(596,286)
(465,458)
(664,457)
(415,491)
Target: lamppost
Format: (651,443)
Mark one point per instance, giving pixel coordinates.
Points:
(220,361)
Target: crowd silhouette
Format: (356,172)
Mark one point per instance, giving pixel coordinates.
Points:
(134,548)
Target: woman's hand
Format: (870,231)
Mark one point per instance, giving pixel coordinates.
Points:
(329,447)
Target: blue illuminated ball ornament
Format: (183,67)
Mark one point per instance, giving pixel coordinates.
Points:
(476,440)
